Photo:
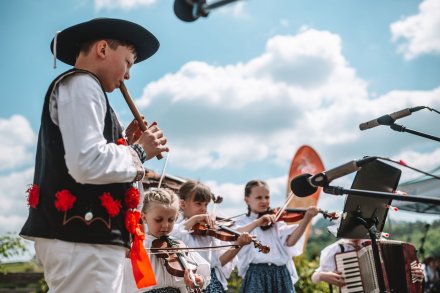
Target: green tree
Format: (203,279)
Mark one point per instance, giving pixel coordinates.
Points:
(11,245)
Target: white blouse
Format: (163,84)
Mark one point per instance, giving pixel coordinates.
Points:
(163,278)
(78,106)
(211,256)
(327,258)
(275,237)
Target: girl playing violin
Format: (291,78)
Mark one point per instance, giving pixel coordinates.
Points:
(194,200)
(159,213)
(274,271)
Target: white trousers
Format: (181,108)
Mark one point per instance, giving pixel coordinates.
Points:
(79,267)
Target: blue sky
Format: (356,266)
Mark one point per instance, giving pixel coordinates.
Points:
(238,92)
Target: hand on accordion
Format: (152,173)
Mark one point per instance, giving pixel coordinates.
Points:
(334,278)
(417,274)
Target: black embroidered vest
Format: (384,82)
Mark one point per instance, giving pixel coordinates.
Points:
(52,176)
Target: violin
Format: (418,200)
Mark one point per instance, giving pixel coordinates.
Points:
(176,263)
(224,233)
(290,215)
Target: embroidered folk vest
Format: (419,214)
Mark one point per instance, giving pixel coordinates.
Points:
(86,218)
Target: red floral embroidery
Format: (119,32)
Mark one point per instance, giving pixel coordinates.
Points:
(121,141)
(64,200)
(132,198)
(33,195)
(131,220)
(112,206)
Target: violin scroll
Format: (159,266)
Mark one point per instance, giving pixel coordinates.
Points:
(261,248)
(216,198)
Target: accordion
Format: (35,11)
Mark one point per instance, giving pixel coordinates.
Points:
(397,259)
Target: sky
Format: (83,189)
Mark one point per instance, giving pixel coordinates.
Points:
(238,92)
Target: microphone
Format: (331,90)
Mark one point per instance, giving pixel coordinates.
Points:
(305,184)
(191,10)
(389,118)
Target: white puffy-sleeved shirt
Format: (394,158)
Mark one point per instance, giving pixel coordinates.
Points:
(327,258)
(78,106)
(274,237)
(211,256)
(163,278)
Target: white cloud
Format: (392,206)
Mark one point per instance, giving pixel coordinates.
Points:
(16,152)
(18,138)
(124,4)
(420,32)
(242,113)
(300,90)
(13,209)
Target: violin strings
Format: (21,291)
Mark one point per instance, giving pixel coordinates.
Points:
(188,248)
(153,251)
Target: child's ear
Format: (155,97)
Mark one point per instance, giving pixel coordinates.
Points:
(182,204)
(101,47)
(144,217)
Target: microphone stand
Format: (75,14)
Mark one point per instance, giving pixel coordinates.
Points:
(371,223)
(401,128)
(422,242)
(337,190)
(217,4)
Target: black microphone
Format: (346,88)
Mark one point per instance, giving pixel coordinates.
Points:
(306,184)
(191,10)
(389,118)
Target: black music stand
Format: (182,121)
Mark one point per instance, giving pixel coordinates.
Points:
(364,217)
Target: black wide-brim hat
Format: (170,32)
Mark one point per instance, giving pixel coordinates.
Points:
(69,40)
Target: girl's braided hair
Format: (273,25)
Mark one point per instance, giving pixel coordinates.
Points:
(163,196)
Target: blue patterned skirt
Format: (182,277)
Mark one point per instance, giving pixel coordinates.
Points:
(215,286)
(164,290)
(267,278)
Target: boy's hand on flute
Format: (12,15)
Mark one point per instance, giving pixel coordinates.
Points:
(133,131)
(153,141)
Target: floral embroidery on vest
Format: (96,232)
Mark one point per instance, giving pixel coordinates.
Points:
(112,206)
(132,216)
(33,195)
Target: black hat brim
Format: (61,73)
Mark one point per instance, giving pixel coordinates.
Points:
(69,40)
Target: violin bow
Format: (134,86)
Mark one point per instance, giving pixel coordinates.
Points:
(281,210)
(190,249)
(230,218)
(162,175)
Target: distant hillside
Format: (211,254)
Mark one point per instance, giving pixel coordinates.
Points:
(403,231)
